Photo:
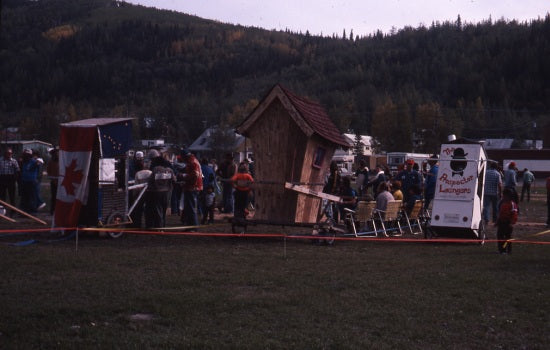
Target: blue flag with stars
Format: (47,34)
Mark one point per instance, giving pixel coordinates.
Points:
(115,139)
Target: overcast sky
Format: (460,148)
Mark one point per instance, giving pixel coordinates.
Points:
(362,16)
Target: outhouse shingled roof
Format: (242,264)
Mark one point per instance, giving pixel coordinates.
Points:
(310,117)
(317,118)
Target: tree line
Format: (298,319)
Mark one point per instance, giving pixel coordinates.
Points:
(63,60)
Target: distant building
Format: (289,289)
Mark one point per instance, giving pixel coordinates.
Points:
(498,143)
(532,144)
(346,157)
(19,145)
(152,143)
(10,134)
(537,161)
(508,143)
(202,146)
(366,142)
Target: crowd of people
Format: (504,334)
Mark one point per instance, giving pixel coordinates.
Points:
(188,187)
(184,186)
(497,180)
(22,177)
(501,199)
(412,182)
(415,181)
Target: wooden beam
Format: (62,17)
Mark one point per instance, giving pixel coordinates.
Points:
(308,191)
(7,218)
(6,205)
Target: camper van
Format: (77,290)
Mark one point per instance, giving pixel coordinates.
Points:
(395,159)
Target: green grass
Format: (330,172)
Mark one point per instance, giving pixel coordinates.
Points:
(251,293)
(248,293)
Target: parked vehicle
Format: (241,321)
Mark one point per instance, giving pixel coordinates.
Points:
(394,159)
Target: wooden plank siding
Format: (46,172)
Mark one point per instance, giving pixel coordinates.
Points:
(289,157)
(307,207)
(285,132)
(278,146)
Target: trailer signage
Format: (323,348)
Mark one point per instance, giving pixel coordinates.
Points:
(457,172)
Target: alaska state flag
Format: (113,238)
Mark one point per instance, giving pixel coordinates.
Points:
(75,153)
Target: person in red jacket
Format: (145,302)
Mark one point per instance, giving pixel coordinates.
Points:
(507,217)
(192,185)
(241,181)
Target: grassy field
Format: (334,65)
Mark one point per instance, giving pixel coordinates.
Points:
(140,292)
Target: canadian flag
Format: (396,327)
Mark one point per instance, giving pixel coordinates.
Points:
(75,153)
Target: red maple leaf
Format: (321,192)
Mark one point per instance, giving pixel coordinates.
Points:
(71,177)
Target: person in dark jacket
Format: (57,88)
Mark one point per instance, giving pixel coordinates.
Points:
(158,191)
(408,178)
(9,174)
(227,169)
(332,186)
(430,181)
(375,183)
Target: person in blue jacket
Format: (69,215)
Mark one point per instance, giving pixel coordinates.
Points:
(431,178)
(30,168)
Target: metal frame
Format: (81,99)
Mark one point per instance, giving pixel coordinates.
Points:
(414,216)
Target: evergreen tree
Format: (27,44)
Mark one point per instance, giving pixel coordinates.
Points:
(179,70)
(358,145)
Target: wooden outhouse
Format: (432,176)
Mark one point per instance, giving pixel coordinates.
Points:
(293,140)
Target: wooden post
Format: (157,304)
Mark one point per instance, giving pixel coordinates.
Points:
(6,218)
(22,212)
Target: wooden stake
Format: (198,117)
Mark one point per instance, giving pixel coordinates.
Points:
(7,218)
(6,205)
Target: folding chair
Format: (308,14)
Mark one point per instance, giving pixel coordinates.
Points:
(414,217)
(391,217)
(360,217)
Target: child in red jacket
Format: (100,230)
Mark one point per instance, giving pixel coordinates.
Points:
(241,181)
(507,217)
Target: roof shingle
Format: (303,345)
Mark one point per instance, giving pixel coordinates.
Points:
(314,114)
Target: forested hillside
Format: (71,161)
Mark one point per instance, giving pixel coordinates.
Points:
(62,60)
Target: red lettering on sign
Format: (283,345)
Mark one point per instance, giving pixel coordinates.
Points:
(457,191)
(445,179)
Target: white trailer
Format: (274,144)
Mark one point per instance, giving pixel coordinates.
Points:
(394,159)
(458,201)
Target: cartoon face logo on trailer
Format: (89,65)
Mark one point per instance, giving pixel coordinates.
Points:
(459,163)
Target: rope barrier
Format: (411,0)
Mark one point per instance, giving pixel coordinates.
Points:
(270,182)
(320,237)
(293,183)
(167,231)
(533,235)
